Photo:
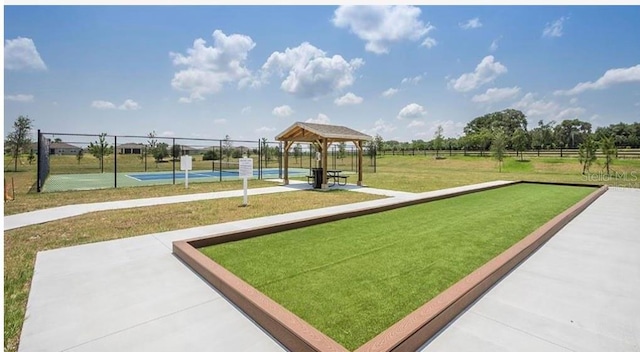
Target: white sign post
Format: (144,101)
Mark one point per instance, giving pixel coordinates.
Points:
(185,164)
(245,171)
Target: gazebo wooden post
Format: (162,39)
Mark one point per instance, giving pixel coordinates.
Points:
(324,163)
(287,146)
(359,163)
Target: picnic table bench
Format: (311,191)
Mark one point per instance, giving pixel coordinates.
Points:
(331,175)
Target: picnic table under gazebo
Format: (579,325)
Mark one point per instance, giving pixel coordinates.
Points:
(322,136)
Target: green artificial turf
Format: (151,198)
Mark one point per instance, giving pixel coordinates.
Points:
(354,278)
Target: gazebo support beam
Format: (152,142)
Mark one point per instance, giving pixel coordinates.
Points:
(324,163)
(359,144)
(287,146)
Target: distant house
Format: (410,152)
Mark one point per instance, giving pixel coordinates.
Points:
(187,150)
(62,148)
(131,148)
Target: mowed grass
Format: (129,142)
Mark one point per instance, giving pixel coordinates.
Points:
(21,245)
(354,278)
(421,173)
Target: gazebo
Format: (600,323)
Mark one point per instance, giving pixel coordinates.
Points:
(321,136)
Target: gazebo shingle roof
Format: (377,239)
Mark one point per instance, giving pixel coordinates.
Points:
(333,132)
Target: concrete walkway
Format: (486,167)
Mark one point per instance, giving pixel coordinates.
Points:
(45,215)
(134,295)
(579,292)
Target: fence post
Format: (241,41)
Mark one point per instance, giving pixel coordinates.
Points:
(115,161)
(173,160)
(220,158)
(38,180)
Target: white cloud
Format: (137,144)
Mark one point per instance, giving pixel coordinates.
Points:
(573,100)
(412,80)
(219,121)
(486,71)
(415,123)
(471,24)
(536,109)
(322,118)
(429,42)
(245,110)
(348,99)
(265,129)
(309,72)
(129,105)
(167,134)
(282,111)
(611,77)
(21,98)
(554,29)
(411,111)
(494,95)
(102,104)
(379,127)
(494,45)
(209,68)
(381,26)
(389,92)
(21,54)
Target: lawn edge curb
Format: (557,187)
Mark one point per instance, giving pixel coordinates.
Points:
(409,333)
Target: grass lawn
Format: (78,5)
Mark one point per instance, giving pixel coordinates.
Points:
(354,278)
(21,245)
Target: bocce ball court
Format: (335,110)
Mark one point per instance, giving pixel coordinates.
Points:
(386,277)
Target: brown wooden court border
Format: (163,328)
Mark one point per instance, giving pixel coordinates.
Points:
(409,333)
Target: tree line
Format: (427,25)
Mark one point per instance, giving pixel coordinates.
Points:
(479,133)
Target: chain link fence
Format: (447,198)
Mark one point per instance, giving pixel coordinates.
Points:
(68,161)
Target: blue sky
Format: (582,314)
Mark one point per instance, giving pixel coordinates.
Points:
(252,71)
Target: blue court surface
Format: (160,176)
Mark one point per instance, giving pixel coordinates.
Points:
(154,176)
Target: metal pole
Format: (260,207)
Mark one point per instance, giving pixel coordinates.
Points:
(220,154)
(115,162)
(173,160)
(39,180)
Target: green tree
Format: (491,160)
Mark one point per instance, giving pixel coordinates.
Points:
(378,143)
(587,153)
(608,148)
(342,150)
(210,154)
(499,147)
(160,151)
(80,155)
(297,151)
(508,120)
(19,139)
(265,149)
(570,133)
(438,140)
(519,140)
(100,149)
(32,156)
(176,151)
(227,146)
(152,144)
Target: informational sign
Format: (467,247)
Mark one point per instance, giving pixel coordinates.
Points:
(185,162)
(245,167)
(185,165)
(245,171)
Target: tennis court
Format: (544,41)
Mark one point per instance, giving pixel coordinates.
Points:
(266,173)
(86,181)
